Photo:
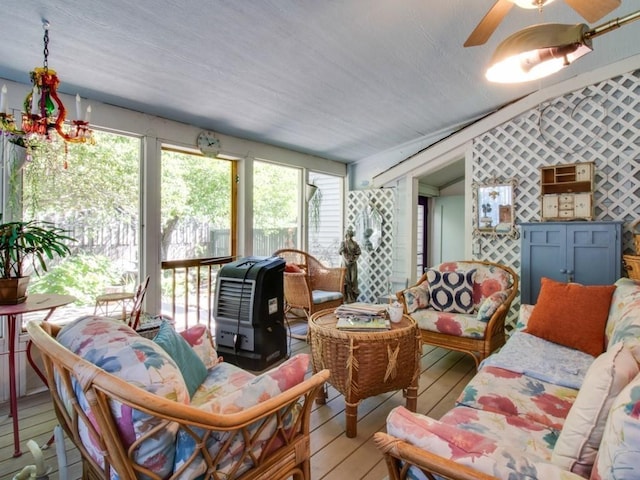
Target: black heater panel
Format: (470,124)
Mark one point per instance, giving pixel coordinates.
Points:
(249,312)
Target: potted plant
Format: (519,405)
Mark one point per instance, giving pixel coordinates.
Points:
(25,247)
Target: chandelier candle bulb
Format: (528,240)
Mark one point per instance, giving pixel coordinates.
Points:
(87,115)
(78,107)
(34,100)
(3,100)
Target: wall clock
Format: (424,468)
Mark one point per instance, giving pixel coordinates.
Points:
(208,143)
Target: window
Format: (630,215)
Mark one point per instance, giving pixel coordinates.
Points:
(276,196)
(196,206)
(325,218)
(93,192)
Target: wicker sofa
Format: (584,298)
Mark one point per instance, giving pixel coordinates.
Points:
(537,409)
(141,408)
(476,328)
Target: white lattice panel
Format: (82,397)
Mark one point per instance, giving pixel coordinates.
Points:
(599,123)
(374,267)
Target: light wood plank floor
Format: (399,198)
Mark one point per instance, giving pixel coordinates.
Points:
(335,457)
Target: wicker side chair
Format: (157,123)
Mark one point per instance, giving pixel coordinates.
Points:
(314,286)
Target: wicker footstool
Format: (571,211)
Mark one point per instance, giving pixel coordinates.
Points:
(364,364)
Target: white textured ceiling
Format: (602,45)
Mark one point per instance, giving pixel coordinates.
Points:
(343,79)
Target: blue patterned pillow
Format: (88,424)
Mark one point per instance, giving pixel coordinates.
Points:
(451,292)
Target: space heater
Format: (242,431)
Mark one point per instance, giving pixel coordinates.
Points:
(249,312)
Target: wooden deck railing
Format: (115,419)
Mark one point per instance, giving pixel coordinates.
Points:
(188,289)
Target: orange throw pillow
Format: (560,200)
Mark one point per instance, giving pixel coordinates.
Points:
(572,315)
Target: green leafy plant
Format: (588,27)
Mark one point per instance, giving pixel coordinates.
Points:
(80,275)
(30,244)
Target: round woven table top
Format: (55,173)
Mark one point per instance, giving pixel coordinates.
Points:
(324,322)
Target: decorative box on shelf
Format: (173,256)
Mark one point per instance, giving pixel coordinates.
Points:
(567,191)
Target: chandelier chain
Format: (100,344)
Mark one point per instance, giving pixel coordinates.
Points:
(46,49)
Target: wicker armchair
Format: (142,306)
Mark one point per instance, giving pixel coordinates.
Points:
(314,287)
(489,278)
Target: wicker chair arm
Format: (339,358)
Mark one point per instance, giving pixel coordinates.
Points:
(400,455)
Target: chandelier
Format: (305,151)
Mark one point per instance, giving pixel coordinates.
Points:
(44,114)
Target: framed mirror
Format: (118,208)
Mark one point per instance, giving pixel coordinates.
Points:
(494,212)
(369,229)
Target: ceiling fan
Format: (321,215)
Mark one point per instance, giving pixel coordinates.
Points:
(590,10)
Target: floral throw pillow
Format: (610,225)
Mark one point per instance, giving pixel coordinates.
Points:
(417,297)
(490,304)
(451,292)
(199,337)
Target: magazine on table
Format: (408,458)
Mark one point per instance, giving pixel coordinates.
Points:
(360,309)
(363,324)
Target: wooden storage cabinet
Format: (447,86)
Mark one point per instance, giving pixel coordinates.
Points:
(567,191)
(589,253)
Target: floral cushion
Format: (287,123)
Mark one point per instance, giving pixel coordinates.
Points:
(471,448)
(417,297)
(523,317)
(491,304)
(503,391)
(581,435)
(118,349)
(222,379)
(618,454)
(259,389)
(199,337)
(624,314)
(451,291)
(530,436)
(457,324)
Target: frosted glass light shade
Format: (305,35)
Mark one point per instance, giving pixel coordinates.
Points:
(538,51)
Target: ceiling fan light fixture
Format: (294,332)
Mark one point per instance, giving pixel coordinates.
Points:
(538,51)
(531,3)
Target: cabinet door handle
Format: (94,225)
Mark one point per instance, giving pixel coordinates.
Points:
(563,270)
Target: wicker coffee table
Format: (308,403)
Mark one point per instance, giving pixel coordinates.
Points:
(364,364)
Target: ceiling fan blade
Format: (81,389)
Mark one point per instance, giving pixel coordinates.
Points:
(489,23)
(593,10)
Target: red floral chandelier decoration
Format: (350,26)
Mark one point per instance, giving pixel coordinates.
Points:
(43,109)
(44,114)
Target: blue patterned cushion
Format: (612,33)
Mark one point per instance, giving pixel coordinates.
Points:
(451,291)
(322,296)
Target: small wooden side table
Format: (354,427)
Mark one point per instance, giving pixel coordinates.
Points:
(35,302)
(364,364)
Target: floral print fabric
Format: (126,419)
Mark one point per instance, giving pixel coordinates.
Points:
(417,297)
(119,350)
(257,390)
(624,313)
(501,458)
(458,324)
(618,456)
(510,393)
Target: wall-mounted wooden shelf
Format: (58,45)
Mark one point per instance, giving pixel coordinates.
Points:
(567,191)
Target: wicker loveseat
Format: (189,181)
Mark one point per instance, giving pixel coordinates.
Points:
(539,409)
(124,402)
(488,290)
